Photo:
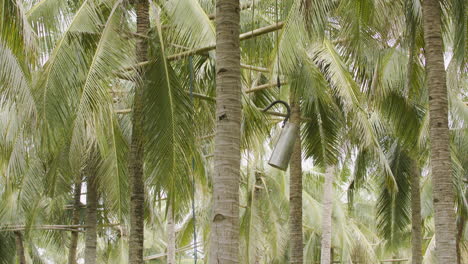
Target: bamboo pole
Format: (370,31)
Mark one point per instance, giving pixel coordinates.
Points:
(196,95)
(275,113)
(9,228)
(204,97)
(381,261)
(123,111)
(212,99)
(74,228)
(254,68)
(206,136)
(244,36)
(161,255)
(128,77)
(128,110)
(264,86)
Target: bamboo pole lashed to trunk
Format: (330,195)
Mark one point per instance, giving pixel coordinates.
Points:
(161,255)
(264,86)
(209,98)
(244,36)
(11,228)
(254,68)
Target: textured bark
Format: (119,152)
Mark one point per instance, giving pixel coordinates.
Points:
(327,203)
(91,218)
(444,213)
(75,221)
(20,247)
(224,237)
(460,231)
(137,188)
(416,220)
(295,189)
(171,238)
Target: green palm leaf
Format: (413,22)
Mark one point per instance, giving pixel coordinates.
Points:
(168,127)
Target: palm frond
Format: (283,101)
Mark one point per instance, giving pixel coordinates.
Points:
(169,132)
(393,209)
(192,27)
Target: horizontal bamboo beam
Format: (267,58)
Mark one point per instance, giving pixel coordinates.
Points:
(275,113)
(244,66)
(161,255)
(123,111)
(254,68)
(209,98)
(207,136)
(284,115)
(261,31)
(244,36)
(264,86)
(381,261)
(203,97)
(9,228)
(42,227)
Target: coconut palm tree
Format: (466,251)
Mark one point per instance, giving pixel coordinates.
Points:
(295,187)
(325,245)
(444,196)
(75,221)
(224,239)
(136,155)
(91,210)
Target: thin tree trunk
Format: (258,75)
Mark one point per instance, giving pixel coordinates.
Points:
(91,218)
(224,237)
(416,234)
(20,247)
(327,203)
(171,238)
(295,188)
(137,188)
(75,221)
(460,231)
(444,213)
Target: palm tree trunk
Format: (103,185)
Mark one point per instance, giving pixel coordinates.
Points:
(171,236)
(20,247)
(295,188)
(416,234)
(224,237)
(137,188)
(91,218)
(444,214)
(75,221)
(327,203)
(460,231)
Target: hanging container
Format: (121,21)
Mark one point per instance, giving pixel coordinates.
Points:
(285,145)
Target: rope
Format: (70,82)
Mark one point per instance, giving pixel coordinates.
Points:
(278,82)
(193,174)
(254,40)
